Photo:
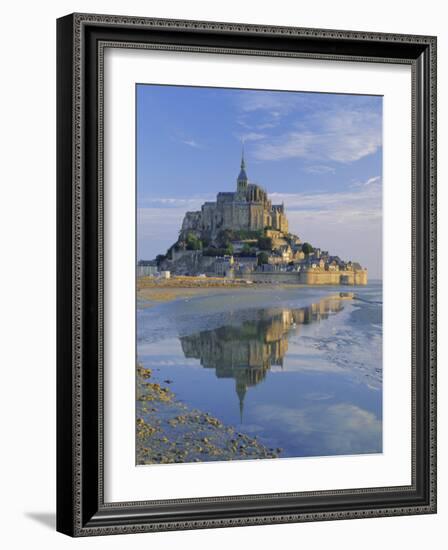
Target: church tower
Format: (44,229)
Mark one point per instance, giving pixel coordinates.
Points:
(242,179)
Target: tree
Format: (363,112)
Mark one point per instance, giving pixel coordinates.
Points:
(263,258)
(307,248)
(193,242)
(211,251)
(265,243)
(225,237)
(214,252)
(160,258)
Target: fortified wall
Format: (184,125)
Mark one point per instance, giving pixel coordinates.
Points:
(314,277)
(349,278)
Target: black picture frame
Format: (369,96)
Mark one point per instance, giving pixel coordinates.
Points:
(81,510)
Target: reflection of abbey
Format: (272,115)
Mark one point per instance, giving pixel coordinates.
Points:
(243,235)
(248,208)
(247,352)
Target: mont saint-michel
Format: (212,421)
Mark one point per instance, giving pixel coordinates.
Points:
(258,276)
(242,235)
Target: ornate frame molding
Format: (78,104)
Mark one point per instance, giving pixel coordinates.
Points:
(81,42)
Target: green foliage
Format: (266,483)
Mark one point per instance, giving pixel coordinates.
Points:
(263,258)
(160,258)
(226,236)
(246,234)
(246,250)
(192,242)
(265,243)
(212,251)
(307,248)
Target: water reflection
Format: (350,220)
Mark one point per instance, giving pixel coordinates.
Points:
(246,352)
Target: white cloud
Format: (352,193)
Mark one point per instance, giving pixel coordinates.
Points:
(275,104)
(159,220)
(341,428)
(348,224)
(259,126)
(372,181)
(187,203)
(158,229)
(342,136)
(266,125)
(311,130)
(149,219)
(252,136)
(242,122)
(192,143)
(364,200)
(320,169)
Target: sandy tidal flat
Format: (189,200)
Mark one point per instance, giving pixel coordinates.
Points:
(151,291)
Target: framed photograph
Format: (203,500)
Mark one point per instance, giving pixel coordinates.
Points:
(246,274)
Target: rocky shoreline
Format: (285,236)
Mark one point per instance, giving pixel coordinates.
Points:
(168,431)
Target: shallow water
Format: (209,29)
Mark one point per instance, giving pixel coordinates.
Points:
(298,367)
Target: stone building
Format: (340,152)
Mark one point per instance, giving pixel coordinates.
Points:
(224,266)
(147,268)
(248,208)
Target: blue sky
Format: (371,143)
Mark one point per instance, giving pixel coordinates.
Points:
(320,154)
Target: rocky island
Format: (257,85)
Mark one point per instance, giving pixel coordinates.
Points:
(242,235)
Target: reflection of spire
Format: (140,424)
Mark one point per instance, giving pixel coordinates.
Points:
(241,392)
(247,351)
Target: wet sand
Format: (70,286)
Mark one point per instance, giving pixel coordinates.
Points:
(171,430)
(151,296)
(151,291)
(165,294)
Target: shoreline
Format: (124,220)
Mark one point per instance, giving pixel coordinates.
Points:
(150,291)
(169,431)
(153,291)
(153,296)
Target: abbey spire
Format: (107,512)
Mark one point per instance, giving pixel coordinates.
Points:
(242,180)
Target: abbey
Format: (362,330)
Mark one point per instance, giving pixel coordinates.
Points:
(247,208)
(243,235)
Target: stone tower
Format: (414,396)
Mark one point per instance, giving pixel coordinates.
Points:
(242,179)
